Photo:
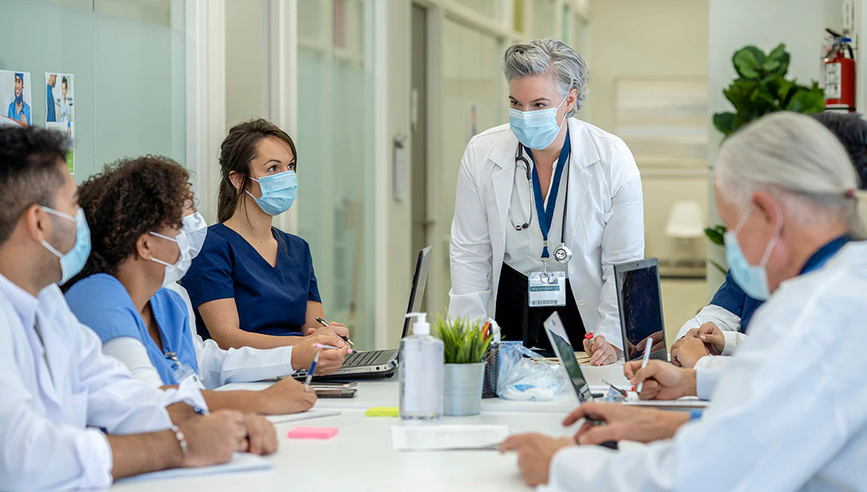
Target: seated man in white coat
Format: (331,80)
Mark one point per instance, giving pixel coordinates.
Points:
(58,390)
(788,413)
(710,338)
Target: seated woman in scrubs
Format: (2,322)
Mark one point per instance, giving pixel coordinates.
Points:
(253,285)
(139,246)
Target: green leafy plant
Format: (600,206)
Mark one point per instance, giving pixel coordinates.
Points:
(464,342)
(762,88)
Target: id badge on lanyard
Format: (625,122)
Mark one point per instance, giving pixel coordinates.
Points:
(183,371)
(547,289)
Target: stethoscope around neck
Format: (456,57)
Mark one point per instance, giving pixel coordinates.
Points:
(562,254)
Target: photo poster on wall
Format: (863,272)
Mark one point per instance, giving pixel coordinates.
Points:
(16,99)
(60,110)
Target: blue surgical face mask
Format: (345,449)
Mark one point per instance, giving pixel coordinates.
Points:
(536,129)
(278,192)
(753,279)
(72,261)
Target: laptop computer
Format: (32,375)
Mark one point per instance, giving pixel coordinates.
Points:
(382,363)
(566,354)
(639,298)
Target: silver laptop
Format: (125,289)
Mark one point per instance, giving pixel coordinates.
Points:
(566,354)
(639,298)
(383,363)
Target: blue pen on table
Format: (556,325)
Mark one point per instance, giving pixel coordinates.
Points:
(310,372)
(645,360)
(322,322)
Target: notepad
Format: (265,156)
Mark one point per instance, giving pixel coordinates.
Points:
(684,403)
(448,437)
(241,462)
(295,417)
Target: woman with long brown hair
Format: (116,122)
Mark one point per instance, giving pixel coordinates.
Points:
(253,284)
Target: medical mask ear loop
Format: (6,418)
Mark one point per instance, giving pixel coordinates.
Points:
(180,253)
(62,215)
(772,243)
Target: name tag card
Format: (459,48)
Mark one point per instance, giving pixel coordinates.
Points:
(547,289)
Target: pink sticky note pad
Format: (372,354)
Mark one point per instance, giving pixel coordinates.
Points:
(302,432)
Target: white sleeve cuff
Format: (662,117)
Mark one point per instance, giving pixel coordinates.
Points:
(187,392)
(93,449)
(733,340)
(705,382)
(704,363)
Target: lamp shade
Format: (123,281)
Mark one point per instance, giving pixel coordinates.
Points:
(685,220)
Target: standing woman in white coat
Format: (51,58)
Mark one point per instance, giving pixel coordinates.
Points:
(516,254)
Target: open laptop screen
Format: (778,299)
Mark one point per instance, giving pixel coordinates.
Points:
(416,293)
(566,354)
(638,293)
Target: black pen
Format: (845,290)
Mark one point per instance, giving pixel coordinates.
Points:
(325,323)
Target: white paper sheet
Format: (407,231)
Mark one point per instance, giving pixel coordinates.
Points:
(309,414)
(241,462)
(447,437)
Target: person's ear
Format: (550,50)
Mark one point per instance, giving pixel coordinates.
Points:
(768,209)
(37,223)
(237,180)
(144,247)
(571,99)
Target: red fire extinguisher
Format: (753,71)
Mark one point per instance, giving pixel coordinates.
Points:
(840,75)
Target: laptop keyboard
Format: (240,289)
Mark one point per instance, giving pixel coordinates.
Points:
(361,359)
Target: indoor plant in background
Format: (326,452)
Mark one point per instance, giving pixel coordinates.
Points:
(466,347)
(762,88)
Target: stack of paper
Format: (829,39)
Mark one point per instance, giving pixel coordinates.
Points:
(241,462)
(448,437)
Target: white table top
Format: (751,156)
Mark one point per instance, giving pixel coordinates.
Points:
(360,457)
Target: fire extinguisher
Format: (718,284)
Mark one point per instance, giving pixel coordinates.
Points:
(840,74)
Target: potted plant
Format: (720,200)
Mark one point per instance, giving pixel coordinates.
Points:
(466,347)
(762,88)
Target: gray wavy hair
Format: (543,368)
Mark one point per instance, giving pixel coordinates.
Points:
(798,160)
(548,56)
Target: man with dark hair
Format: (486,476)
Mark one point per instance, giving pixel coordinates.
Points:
(58,389)
(721,327)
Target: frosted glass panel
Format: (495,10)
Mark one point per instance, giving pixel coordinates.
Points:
(488,8)
(139,85)
(336,164)
(474,100)
(544,25)
(128,75)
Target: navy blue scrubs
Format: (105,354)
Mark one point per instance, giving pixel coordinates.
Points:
(270,300)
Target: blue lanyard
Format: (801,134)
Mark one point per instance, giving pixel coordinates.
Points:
(547,215)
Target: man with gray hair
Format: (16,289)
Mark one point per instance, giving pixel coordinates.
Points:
(788,412)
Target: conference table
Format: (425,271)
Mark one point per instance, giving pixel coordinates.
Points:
(360,456)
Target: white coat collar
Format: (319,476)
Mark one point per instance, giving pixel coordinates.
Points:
(584,151)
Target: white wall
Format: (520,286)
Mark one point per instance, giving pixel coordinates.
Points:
(637,38)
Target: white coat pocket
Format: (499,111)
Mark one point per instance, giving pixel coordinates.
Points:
(594,227)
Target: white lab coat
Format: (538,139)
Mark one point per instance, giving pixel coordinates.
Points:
(788,413)
(605,222)
(50,414)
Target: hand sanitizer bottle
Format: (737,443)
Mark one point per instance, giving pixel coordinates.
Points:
(421,373)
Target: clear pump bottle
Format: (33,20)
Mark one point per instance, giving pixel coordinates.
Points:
(421,373)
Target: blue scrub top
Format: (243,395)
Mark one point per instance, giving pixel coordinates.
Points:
(270,300)
(102,303)
(734,300)
(15,115)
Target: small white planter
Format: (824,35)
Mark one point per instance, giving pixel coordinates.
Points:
(462,389)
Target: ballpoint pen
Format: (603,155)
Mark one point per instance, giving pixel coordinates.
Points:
(322,322)
(615,388)
(310,372)
(645,360)
(329,347)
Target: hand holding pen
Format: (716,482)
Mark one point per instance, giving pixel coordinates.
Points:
(326,324)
